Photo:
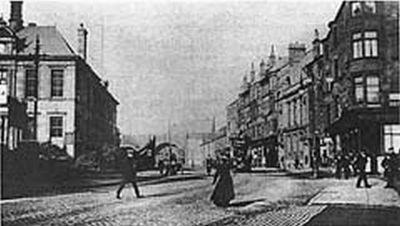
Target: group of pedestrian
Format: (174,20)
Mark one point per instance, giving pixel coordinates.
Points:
(345,161)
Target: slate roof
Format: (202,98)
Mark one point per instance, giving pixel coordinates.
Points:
(51,41)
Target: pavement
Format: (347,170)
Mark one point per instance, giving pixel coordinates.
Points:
(339,204)
(347,193)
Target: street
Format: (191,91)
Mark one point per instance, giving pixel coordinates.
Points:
(171,203)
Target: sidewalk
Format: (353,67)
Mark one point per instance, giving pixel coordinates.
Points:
(345,192)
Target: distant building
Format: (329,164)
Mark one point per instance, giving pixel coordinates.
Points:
(215,144)
(67,102)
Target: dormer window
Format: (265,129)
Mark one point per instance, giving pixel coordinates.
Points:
(355,9)
(370,7)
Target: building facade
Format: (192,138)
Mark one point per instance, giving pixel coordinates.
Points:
(67,103)
(293,100)
(342,95)
(12,109)
(361,58)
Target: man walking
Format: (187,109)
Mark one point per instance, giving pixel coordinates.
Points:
(129,170)
(360,164)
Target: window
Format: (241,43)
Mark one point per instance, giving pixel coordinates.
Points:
(370,40)
(3,49)
(392,137)
(357,46)
(359,89)
(57,81)
(355,9)
(56,126)
(370,7)
(372,89)
(321,49)
(371,44)
(31,83)
(3,76)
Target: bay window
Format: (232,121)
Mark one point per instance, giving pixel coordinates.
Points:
(372,89)
(359,89)
(357,46)
(366,89)
(365,44)
(371,44)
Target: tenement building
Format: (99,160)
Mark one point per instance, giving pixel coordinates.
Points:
(292,99)
(361,60)
(252,117)
(341,96)
(67,102)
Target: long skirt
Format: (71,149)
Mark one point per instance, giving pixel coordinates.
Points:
(223,192)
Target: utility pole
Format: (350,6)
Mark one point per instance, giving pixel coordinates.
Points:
(35,99)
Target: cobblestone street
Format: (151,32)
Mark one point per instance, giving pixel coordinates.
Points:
(172,203)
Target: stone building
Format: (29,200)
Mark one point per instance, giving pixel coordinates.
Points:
(252,117)
(361,67)
(67,102)
(12,109)
(293,101)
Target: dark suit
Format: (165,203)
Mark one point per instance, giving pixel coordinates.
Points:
(129,170)
(361,162)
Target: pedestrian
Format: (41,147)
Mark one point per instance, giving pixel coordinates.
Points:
(223,192)
(208,165)
(129,165)
(339,166)
(360,163)
(346,165)
(389,163)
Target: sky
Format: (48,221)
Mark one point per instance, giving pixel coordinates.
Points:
(178,64)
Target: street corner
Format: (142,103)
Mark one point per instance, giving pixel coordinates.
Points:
(346,192)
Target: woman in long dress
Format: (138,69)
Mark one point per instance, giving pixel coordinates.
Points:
(223,192)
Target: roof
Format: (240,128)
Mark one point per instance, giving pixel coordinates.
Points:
(279,63)
(51,41)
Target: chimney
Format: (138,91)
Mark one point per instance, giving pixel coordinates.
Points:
(16,22)
(296,52)
(252,73)
(82,41)
(263,67)
(317,48)
(272,57)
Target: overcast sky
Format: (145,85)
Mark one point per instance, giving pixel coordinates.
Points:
(179,61)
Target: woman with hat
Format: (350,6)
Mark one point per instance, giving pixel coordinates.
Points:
(223,192)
